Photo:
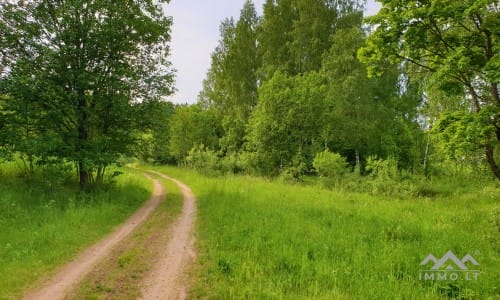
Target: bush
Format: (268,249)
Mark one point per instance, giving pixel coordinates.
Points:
(329,164)
(292,174)
(231,164)
(382,168)
(330,167)
(249,163)
(204,160)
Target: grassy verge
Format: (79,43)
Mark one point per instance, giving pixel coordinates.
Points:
(121,274)
(44,224)
(266,240)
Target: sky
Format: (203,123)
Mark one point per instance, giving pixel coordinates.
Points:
(195,34)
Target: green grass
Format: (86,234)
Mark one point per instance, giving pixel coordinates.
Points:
(266,240)
(45,222)
(120,275)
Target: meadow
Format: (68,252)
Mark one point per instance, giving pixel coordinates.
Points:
(257,238)
(45,220)
(261,239)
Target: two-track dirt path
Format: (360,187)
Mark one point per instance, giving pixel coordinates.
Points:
(165,281)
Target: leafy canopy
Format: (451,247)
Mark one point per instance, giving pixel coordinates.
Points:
(73,70)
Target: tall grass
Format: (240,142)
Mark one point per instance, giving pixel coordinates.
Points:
(267,240)
(45,220)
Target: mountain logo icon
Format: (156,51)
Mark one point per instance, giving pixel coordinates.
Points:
(449,262)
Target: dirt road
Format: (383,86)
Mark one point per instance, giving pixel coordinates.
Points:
(165,281)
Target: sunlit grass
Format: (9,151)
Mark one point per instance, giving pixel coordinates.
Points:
(44,224)
(266,240)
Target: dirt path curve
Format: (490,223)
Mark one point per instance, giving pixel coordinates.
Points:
(167,279)
(58,286)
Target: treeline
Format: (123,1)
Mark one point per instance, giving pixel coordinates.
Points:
(287,90)
(309,87)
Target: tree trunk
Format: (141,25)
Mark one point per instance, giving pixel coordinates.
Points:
(426,155)
(100,174)
(84,174)
(490,158)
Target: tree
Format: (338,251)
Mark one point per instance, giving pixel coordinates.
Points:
(5,151)
(316,22)
(275,37)
(367,115)
(214,93)
(153,119)
(353,110)
(193,126)
(231,83)
(284,129)
(456,43)
(295,33)
(73,70)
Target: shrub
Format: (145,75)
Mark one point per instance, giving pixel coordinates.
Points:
(330,167)
(292,174)
(382,168)
(329,164)
(231,164)
(203,159)
(249,162)
(386,179)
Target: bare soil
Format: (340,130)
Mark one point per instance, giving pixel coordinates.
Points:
(167,279)
(171,248)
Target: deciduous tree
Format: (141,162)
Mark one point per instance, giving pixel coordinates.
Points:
(231,83)
(456,43)
(74,68)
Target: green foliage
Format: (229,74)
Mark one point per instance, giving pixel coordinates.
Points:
(330,164)
(385,179)
(231,164)
(208,162)
(295,34)
(191,126)
(294,172)
(46,220)
(331,167)
(382,168)
(203,159)
(369,116)
(249,162)
(73,80)
(456,44)
(283,130)
(312,91)
(262,239)
(234,132)
(459,135)
(5,149)
(275,38)
(154,137)
(231,83)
